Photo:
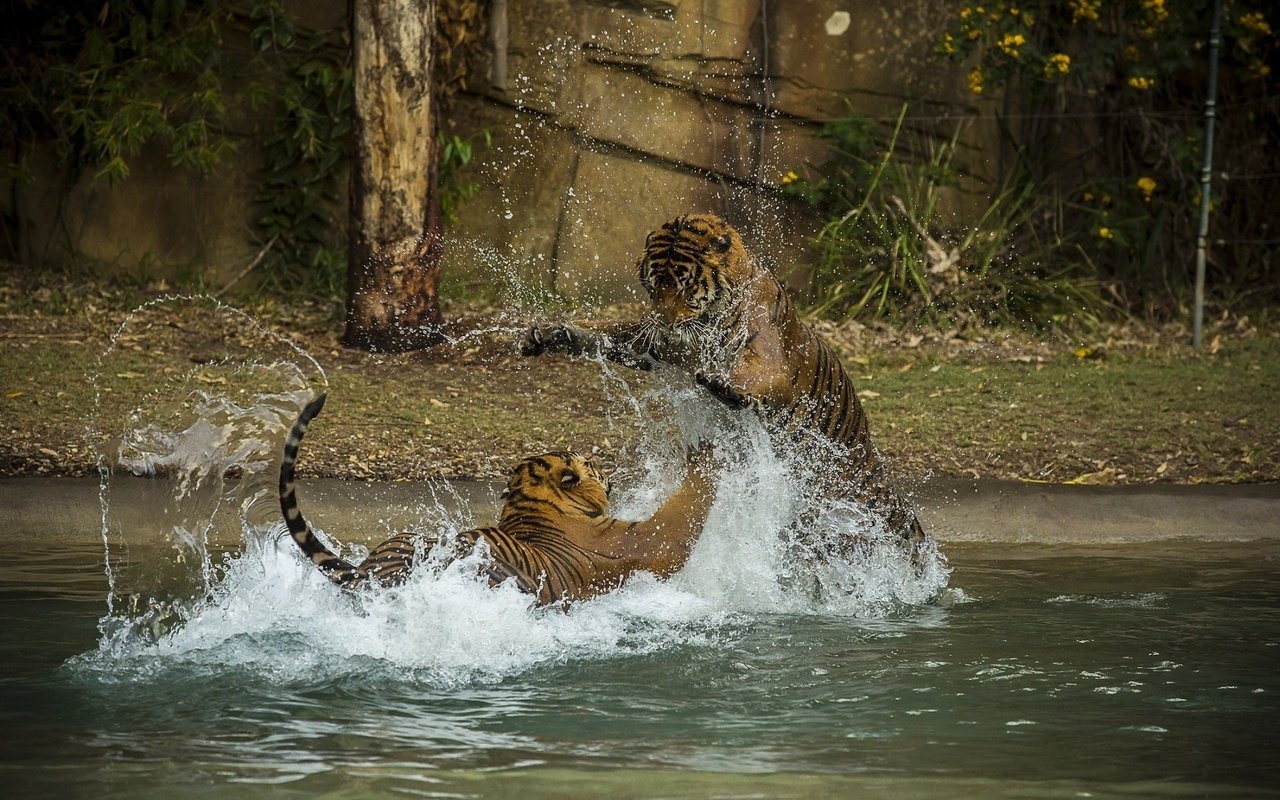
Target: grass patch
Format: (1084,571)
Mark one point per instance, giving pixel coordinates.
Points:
(1152,410)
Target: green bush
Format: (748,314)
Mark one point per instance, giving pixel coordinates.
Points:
(892,248)
(100,81)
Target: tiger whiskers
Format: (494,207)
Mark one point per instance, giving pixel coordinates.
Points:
(646,337)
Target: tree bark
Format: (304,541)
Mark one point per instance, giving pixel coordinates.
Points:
(395,226)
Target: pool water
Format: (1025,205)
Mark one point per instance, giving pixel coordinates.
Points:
(1041,672)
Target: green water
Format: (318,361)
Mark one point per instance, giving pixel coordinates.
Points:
(1103,673)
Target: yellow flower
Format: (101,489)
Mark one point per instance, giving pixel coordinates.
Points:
(1259,69)
(1058,64)
(1156,12)
(1084,9)
(975,80)
(948,44)
(965,12)
(1106,233)
(1088,197)
(1147,186)
(1131,52)
(1256,22)
(1010,43)
(1141,83)
(790,177)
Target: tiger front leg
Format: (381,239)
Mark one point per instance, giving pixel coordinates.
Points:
(554,339)
(749,382)
(723,391)
(620,346)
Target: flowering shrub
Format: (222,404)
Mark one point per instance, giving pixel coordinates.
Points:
(1103,105)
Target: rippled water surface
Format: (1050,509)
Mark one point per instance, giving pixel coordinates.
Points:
(209,659)
(1042,673)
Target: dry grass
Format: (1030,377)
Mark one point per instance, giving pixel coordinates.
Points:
(1135,405)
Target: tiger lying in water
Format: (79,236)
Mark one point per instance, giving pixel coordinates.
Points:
(553,536)
(724,318)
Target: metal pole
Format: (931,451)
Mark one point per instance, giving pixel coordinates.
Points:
(1206,174)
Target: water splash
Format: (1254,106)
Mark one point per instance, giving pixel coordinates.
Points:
(204,579)
(193,449)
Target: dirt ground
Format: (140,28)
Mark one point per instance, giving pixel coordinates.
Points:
(1126,404)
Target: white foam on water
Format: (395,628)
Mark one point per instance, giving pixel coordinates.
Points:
(262,608)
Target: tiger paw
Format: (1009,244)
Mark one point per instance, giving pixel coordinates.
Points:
(722,391)
(546,339)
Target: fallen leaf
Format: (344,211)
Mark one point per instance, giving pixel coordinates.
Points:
(868,394)
(1102,476)
(128,375)
(13,394)
(1215,345)
(438,403)
(49,452)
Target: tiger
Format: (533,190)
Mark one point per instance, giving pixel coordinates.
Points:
(554,537)
(721,316)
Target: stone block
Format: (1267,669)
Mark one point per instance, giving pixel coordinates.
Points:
(505,235)
(622,107)
(614,203)
(822,54)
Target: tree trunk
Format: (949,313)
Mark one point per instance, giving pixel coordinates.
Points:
(395,242)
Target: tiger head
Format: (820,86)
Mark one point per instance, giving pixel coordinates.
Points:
(689,267)
(566,482)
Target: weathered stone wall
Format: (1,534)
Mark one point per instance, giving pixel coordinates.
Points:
(620,115)
(616,115)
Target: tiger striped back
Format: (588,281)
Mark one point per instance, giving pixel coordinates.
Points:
(553,539)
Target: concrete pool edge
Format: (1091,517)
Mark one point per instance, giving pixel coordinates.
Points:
(67,509)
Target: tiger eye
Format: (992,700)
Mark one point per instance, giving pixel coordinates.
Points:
(721,243)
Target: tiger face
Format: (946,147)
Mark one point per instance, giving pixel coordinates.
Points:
(565,481)
(689,267)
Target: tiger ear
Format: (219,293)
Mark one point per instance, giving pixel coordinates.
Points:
(721,243)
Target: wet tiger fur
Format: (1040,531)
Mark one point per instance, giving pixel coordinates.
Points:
(721,316)
(553,537)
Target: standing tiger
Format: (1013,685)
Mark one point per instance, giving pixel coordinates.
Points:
(553,536)
(721,316)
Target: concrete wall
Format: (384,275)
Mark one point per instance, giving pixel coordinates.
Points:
(615,116)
